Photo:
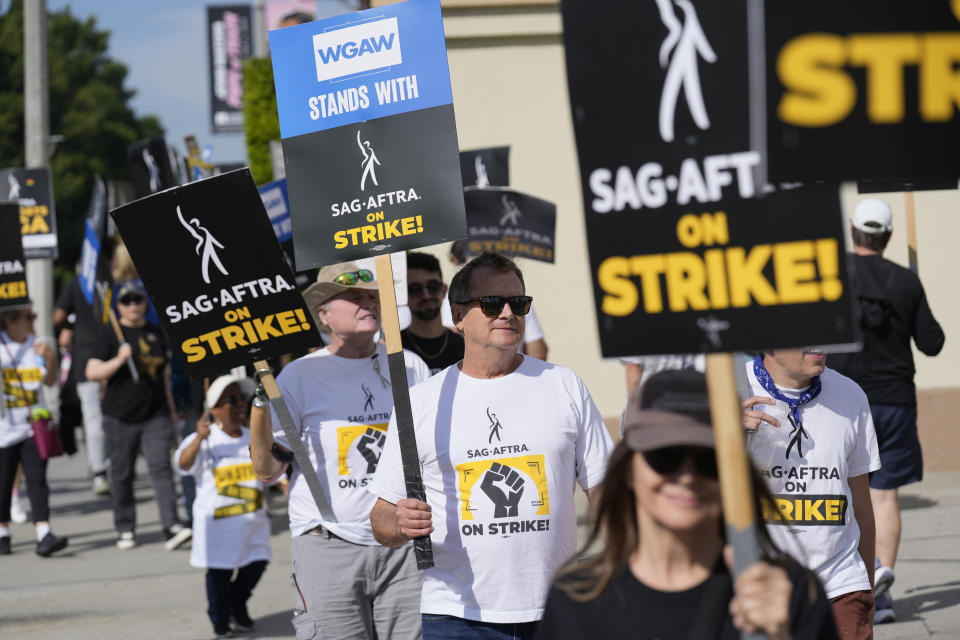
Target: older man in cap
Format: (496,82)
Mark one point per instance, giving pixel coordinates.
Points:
(340,400)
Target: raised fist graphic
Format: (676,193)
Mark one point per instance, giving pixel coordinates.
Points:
(504,499)
(371,446)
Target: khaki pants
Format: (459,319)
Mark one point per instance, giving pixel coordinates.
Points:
(354,592)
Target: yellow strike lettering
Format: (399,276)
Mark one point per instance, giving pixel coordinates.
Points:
(368,234)
(34,220)
(686,280)
(353,235)
(828,257)
(390,229)
(746,277)
(786,508)
(884,56)
(813,510)
(211,339)
(288,322)
(940,76)
(251,334)
(794,272)
(649,269)
(340,240)
(232,337)
(832,509)
(716,279)
(819,93)
(613,276)
(265,328)
(193,350)
(16,289)
(408,226)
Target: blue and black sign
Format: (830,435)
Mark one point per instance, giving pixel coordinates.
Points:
(369,138)
(277,203)
(13,266)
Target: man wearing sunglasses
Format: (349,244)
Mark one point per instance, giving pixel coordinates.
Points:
(502,440)
(426,336)
(814,442)
(340,399)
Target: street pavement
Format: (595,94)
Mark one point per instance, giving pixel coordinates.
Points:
(92,590)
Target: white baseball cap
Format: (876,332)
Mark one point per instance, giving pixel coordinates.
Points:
(218,386)
(873,216)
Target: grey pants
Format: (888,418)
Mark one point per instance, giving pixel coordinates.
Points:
(89,394)
(124,440)
(354,592)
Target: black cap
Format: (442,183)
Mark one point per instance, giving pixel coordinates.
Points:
(671,408)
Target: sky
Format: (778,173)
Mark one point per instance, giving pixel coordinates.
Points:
(164,46)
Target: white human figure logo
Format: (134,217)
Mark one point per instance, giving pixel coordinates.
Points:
(482,179)
(14,187)
(369,159)
(511,214)
(686,42)
(210,245)
(152,169)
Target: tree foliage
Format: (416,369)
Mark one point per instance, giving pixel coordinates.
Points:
(260,116)
(89,107)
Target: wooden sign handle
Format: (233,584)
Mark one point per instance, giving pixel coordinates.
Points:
(119,333)
(910,203)
(733,464)
(390,324)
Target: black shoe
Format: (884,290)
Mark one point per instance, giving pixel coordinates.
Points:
(241,619)
(5,546)
(50,545)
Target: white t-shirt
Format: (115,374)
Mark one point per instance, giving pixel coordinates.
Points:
(841,444)
(499,459)
(14,412)
(231,528)
(341,407)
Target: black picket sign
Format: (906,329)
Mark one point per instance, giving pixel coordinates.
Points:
(210,261)
(13,266)
(684,255)
(150,166)
(33,189)
(509,222)
(862,89)
(485,167)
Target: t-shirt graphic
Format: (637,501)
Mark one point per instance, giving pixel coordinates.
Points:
(23,373)
(148,361)
(808,473)
(228,479)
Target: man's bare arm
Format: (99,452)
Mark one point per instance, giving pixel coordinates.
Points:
(396,524)
(863,511)
(261,441)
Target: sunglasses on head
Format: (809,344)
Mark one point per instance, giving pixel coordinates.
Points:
(668,460)
(351,278)
(132,299)
(232,399)
(433,287)
(493,305)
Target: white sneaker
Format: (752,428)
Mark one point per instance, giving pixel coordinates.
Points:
(100,485)
(882,581)
(884,610)
(17,513)
(176,536)
(126,541)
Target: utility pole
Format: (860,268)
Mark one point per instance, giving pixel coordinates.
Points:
(259,30)
(36,99)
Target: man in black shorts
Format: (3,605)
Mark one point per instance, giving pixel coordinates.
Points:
(892,308)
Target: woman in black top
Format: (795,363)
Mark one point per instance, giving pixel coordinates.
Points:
(137,413)
(662,572)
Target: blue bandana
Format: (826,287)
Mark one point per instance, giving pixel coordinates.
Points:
(796,435)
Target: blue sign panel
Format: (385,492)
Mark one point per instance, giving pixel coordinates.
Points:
(360,66)
(88,261)
(277,204)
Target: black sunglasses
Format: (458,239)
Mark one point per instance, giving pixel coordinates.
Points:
(434,287)
(131,300)
(353,277)
(493,305)
(233,398)
(667,460)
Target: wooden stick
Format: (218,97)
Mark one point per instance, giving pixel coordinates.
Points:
(911,230)
(119,332)
(265,377)
(390,323)
(733,464)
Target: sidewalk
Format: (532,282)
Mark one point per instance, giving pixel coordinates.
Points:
(93,591)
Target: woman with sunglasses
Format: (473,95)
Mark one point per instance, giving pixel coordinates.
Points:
(27,364)
(662,570)
(137,413)
(231,530)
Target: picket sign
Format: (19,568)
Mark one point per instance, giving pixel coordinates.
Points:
(911,231)
(390,323)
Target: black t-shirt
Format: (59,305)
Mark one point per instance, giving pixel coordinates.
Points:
(627,608)
(438,353)
(891,308)
(86,329)
(125,399)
